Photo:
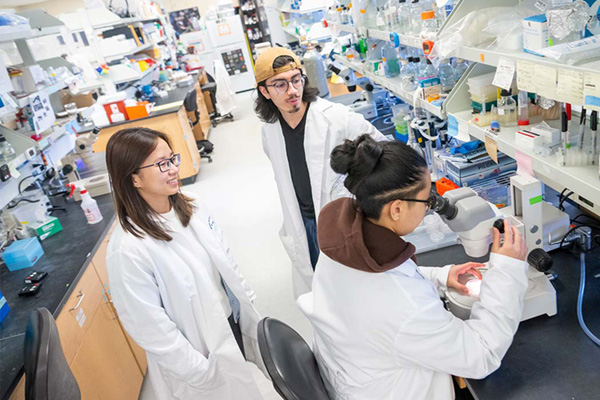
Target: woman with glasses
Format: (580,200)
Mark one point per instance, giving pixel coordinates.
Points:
(380,328)
(173,280)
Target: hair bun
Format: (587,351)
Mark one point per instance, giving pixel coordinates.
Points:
(357,158)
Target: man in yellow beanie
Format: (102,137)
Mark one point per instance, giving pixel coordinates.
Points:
(299,133)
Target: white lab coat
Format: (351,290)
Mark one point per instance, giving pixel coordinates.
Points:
(225,94)
(328,124)
(168,305)
(387,335)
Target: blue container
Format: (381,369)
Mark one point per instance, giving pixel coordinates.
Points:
(23,254)
(3,307)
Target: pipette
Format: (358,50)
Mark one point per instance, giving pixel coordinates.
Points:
(594,127)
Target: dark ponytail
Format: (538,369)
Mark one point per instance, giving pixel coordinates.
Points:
(378,172)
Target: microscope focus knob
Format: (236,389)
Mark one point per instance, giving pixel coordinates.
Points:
(540,260)
(499,224)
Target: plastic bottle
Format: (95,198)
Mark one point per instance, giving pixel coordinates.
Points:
(523,108)
(390,14)
(380,20)
(446,76)
(391,63)
(428,25)
(415,17)
(7,152)
(350,17)
(403,17)
(407,75)
(459,69)
(428,72)
(507,109)
(88,204)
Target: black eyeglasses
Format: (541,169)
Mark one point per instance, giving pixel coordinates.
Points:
(430,202)
(282,86)
(165,165)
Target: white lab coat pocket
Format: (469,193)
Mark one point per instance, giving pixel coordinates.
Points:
(289,244)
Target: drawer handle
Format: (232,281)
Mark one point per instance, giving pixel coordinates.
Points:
(81,296)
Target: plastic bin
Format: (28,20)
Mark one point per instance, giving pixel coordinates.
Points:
(23,254)
(3,307)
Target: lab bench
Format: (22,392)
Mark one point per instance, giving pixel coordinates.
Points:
(550,357)
(105,361)
(170,117)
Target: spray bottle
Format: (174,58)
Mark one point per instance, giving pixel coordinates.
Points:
(88,204)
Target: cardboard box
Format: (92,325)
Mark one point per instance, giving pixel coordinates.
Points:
(80,100)
(535,33)
(47,228)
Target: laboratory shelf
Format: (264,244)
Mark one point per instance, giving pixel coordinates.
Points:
(394,85)
(24,101)
(492,57)
(583,180)
(302,11)
(291,32)
(342,27)
(135,50)
(122,73)
(406,40)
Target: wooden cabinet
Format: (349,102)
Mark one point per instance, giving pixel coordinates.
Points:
(176,126)
(99,264)
(104,366)
(74,320)
(105,361)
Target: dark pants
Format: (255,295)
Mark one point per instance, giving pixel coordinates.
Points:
(237,333)
(313,245)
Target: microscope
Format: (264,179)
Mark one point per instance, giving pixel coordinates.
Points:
(473,218)
(371,94)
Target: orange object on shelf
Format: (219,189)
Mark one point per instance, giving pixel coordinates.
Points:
(443,185)
(138,111)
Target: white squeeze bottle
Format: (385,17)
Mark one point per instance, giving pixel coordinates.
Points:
(89,206)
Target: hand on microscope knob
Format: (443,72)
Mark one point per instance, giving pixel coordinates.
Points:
(514,244)
(457,270)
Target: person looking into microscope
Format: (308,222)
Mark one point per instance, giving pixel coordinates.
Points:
(380,328)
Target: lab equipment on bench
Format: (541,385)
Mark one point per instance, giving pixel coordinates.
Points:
(22,254)
(472,218)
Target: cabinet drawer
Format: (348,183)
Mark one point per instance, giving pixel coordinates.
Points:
(74,319)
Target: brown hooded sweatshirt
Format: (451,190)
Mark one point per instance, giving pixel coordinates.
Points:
(345,236)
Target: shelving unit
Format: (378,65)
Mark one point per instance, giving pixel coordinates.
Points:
(24,101)
(308,36)
(261,24)
(582,180)
(394,85)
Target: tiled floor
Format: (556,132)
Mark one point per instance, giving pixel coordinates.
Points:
(239,188)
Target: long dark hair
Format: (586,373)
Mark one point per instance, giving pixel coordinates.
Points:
(125,152)
(266,110)
(378,172)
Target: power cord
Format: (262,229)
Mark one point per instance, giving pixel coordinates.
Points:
(582,241)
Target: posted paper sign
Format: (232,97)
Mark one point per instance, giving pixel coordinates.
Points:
(570,86)
(43,115)
(591,91)
(525,76)
(545,81)
(491,145)
(505,73)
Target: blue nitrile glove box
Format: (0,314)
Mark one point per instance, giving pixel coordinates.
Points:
(3,307)
(23,254)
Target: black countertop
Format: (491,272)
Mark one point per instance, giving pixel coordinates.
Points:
(550,357)
(65,256)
